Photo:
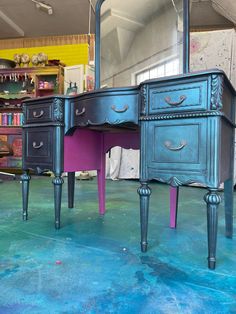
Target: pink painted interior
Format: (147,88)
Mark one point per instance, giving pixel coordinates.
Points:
(82,150)
(86,150)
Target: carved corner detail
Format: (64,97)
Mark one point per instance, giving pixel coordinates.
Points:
(216,91)
(58,110)
(174,181)
(143,92)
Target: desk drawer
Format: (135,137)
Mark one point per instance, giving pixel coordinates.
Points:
(177,145)
(182,97)
(39,113)
(109,109)
(38,147)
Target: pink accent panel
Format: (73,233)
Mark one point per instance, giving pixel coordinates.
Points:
(82,150)
(129,139)
(86,150)
(173,206)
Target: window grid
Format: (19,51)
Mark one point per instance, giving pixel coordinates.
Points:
(167,68)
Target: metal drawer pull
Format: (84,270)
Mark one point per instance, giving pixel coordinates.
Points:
(77,113)
(126,107)
(38,115)
(168,145)
(37,146)
(177,103)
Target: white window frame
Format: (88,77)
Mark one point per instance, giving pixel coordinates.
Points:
(152,67)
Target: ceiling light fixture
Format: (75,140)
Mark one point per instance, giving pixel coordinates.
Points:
(43,7)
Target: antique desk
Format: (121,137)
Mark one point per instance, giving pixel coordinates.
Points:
(187,135)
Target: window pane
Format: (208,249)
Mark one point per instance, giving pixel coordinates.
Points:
(153,73)
(161,70)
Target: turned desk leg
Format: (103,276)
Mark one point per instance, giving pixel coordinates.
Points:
(213,200)
(71,189)
(228,197)
(57,181)
(25,178)
(174,197)
(144,192)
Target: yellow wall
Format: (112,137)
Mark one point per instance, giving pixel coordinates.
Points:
(68,54)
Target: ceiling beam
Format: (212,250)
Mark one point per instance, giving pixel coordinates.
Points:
(12,24)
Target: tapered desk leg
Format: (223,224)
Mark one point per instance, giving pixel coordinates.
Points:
(174,196)
(57,181)
(101,179)
(228,196)
(213,200)
(25,178)
(144,192)
(71,189)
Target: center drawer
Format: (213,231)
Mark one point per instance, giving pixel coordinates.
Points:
(106,109)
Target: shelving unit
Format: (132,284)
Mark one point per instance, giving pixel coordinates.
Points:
(16,85)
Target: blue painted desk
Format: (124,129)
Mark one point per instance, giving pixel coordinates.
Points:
(187,135)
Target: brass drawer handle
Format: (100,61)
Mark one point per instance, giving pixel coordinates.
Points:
(126,107)
(77,113)
(37,146)
(181,146)
(38,115)
(177,103)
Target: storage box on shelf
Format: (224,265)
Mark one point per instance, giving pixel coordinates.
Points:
(16,85)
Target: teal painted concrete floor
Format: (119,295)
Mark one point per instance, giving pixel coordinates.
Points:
(94,265)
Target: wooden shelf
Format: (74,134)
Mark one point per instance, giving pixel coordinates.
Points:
(12,96)
(10,109)
(10,129)
(46,89)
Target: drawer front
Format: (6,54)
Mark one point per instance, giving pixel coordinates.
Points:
(181,97)
(177,146)
(107,109)
(39,113)
(38,147)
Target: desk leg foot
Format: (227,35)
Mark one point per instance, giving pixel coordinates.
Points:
(228,197)
(71,189)
(57,181)
(212,264)
(144,246)
(144,192)
(213,200)
(25,178)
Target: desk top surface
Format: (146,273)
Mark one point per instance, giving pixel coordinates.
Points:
(136,89)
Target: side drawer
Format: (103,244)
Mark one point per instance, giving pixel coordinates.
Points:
(39,113)
(108,109)
(178,97)
(178,146)
(38,147)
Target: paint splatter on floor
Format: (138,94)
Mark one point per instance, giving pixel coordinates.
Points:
(93,264)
